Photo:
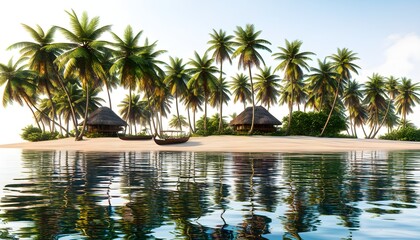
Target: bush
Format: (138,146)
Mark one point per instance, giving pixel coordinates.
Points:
(311,124)
(34,134)
(403,134)
(212,126)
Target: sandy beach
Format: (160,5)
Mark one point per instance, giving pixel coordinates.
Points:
(225,144)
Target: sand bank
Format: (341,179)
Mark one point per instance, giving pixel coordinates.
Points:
(225,144)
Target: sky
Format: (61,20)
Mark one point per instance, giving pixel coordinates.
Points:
(385,34)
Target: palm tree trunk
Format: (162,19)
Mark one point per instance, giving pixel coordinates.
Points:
(375,125)
(33,113)
(331,111)
(364,132)
(129,109)
(290,110)
(252,98)
(82,132)
(177,111)
(52,107)
(189,120)
(194,121)
(73,112)
(354,129)
(221,98)
(151,112)
(384,119)
(29,102)
(351,125)
(108,91)
(205,111)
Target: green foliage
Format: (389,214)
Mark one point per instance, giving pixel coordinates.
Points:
(34,134)
(311,124)
(403,134)
(212,126)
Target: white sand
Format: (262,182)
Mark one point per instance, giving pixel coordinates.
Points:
(225,144)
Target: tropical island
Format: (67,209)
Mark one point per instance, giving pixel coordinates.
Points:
(60,82)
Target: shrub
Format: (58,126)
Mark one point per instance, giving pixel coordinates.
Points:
(34,134)
(311,124)
(212,126)
(403,134)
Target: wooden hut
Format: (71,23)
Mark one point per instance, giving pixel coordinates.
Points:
(263,122)
(104,121)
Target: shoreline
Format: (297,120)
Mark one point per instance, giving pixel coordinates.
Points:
(227,143)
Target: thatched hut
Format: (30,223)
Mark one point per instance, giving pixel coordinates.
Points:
(104,121)
(263,122)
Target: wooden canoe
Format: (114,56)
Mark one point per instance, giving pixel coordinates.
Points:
(135,137)
(166,141)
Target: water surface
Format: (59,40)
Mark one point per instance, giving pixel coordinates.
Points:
(186,195)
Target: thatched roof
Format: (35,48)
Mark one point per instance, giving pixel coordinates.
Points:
(262,117)
(105,116)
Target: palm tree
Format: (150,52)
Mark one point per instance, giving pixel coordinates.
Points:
(66,107)
(352,96)
(19,85)
(292,62)
(375,99)
(266,86)
(408,96)
(321,83)
(241,89)
(159,103)
(41,60)
(221,89)
(83,55)
(111,81)
(137,107)
(176,79)
(202,77)
(391,85)
(127,63)
(222,47)
(344,64)
(248,45)
(177,121)
(151,81)
(193,100)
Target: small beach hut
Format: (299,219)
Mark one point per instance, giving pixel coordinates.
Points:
(104,121)
(263,122)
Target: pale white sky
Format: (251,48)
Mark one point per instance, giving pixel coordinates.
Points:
(385,34)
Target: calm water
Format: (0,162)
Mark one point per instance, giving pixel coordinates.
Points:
(170,195)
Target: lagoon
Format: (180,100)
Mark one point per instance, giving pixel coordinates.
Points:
(60,194)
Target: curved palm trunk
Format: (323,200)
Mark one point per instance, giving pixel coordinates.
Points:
(177,111)
(30,103)
(129,110)
(151,113)
(194,128)
(383,120)
(52,107)
(109,94)
(82,132)
(33,113)
(374,127)
(205,111)
(364,131)
(189,120)
(252,98)
(221,99)
(73,112)
(331,111)
(290,110)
